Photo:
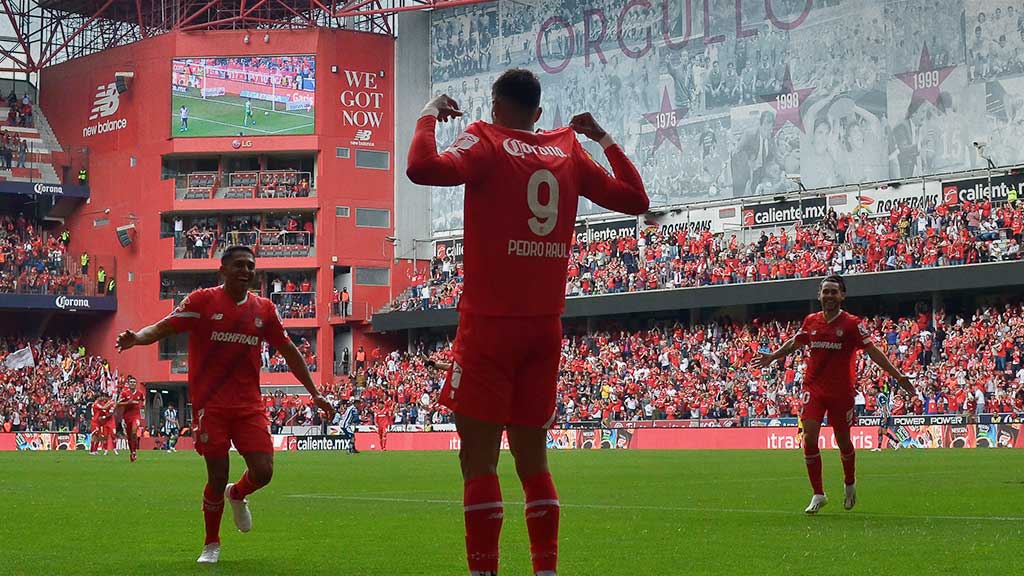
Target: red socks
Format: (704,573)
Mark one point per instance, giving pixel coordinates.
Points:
(483,511)
(244,487)
(849,465)
(213,506)
(812,456)
(542,512)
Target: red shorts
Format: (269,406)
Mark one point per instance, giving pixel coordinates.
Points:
(382,425)
(215,429)
(840,410)
(132,422)
(505,369)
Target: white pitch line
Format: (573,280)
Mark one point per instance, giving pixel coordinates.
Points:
(265,132)
(664,508)
(239,105)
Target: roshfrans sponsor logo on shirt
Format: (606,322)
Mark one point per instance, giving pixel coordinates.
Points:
(66,303)
(519,149)
(980,189)
(235,338)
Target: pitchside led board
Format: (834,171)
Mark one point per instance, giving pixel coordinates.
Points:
(719,99)
(243,96)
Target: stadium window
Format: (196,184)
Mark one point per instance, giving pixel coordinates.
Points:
(373,218)
(372,276)
(131,161)
(373,159)
(342,153)
(100,222)
(341,211)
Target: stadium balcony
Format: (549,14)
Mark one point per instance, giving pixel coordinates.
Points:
(357,312)
(246,184)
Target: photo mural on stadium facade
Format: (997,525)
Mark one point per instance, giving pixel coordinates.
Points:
(721,99)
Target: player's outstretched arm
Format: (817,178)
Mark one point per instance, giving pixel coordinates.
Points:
(767,358)
(624,190)
(298,367)
(879,357)
(424,165)
(146,336)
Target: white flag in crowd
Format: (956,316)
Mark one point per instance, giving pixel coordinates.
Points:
(20,359)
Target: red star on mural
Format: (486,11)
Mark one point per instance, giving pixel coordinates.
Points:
(787,104)
(665,122)
(926,81)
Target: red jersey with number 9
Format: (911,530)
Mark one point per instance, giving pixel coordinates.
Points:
(831,371)
(522,189)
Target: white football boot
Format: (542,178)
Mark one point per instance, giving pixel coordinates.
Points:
(211,554)
(818,501)
(240,510)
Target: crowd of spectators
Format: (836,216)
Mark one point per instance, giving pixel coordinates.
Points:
(34,261)
(57,393)
(19,112)
(293,295)
(907,238)
(961,363)
(12,146)
(205,237)
(283,185)
(967,363)
(273,361)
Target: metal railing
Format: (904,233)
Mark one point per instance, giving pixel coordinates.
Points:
(295,304)
(60,273)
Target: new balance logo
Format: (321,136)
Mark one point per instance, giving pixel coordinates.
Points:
(107,101)
(217,317)
(363,135)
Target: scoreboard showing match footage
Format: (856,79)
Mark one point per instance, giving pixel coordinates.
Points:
(243,96)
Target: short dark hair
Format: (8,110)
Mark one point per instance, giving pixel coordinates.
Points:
(518,86)
(836,279)
(230,252)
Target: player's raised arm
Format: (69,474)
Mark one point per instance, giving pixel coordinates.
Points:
(450,168)
(879,357)
(181,319)
(623,190)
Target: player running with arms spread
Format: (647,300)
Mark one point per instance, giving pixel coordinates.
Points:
(227,325)
(834,336)
(522,189)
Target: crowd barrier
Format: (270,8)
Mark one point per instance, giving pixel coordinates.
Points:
(911,433)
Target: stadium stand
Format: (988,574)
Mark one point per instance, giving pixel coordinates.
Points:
(907,238)
(29,150)
(705,373)
(36,261)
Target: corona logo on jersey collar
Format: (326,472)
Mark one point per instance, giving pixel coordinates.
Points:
(519,149)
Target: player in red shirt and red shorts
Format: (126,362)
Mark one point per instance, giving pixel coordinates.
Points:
(384,418)
(101,425)
(131,399)
(834,336)
(522,189)
(227,325)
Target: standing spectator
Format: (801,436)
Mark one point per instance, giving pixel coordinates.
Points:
(344,303)
(360,359)
(22,152)
(101,280)
(84,260)
(335,302)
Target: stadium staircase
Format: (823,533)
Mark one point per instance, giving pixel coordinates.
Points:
(43,150)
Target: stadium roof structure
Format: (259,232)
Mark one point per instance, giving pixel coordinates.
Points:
(38,33)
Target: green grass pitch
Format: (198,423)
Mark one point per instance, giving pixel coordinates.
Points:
(924,512)
(224,116)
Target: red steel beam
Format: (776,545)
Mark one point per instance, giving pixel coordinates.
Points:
(196,14)
(21,39)
(42,64)
(430,6)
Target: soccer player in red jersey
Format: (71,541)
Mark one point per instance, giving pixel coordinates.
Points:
(522,188)
(383,418)
(131,399)
(101,424)
(834,336)
(226,326)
